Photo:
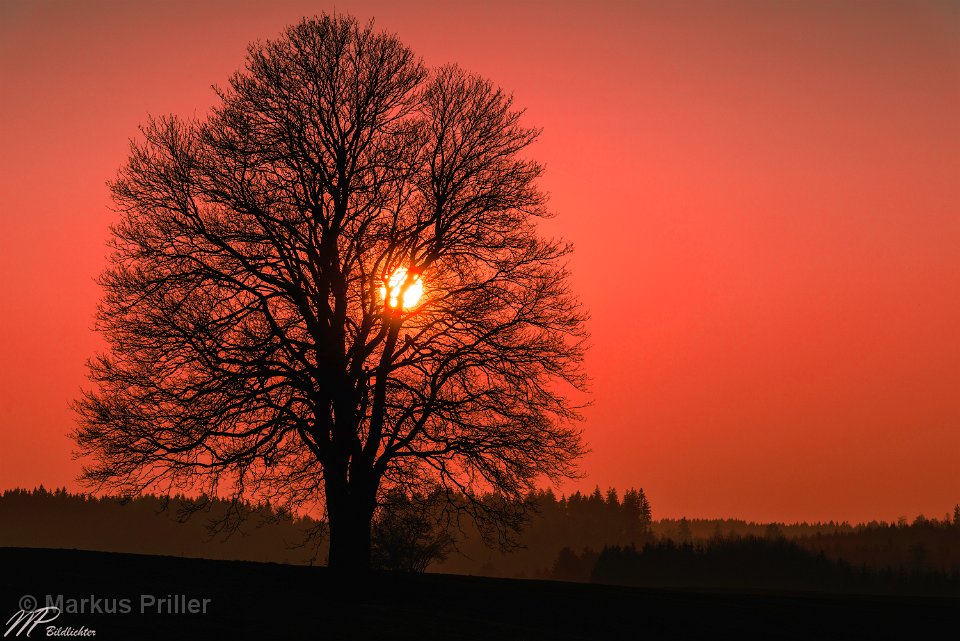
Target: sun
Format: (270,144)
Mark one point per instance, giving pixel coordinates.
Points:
(400,288)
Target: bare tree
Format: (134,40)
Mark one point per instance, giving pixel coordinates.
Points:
(331,286)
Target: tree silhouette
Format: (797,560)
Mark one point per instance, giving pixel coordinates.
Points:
(331,286)
(410,532)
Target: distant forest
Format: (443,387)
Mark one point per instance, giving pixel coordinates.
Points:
(599,537)
(151,525)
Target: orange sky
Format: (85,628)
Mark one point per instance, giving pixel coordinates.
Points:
(764,199)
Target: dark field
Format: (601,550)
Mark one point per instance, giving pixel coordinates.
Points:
(272,601)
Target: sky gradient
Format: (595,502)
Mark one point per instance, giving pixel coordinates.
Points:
(764,198)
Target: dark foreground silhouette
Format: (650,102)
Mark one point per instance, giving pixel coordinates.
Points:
(245,600)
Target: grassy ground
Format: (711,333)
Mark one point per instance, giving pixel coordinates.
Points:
(279,602)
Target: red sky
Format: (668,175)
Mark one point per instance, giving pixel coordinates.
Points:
(764,199)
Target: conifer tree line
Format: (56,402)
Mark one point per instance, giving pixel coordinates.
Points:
(599,536)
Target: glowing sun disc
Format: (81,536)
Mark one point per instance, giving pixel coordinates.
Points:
(400,289)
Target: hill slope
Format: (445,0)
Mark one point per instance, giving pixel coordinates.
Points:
(270,601)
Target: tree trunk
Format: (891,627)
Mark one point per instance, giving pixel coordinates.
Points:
(351,514)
